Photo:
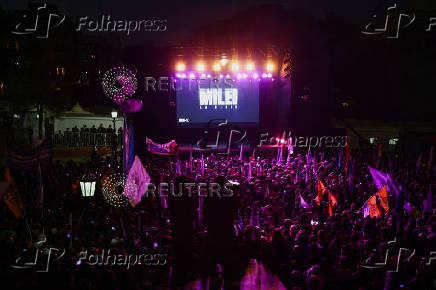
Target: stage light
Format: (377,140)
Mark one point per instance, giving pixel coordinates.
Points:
(221,76)
(255,75)
(244,76)
(203,76)
(238,76)
(216,67)
(249,66)
(200,66)
(183,75)
(269,66)
(235,66)
(264,75)
(191,76)
(227,76)
(209,76)
(223,61)
(178,75)
(270,75)
(180,67)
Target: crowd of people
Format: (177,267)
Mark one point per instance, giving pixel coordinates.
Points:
(85,136)
(272,215)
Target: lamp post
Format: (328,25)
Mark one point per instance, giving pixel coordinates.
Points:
(87,185)
(114,115)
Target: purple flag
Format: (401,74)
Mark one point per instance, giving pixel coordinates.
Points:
(137,182)
(131,106)
(380,178)
(303,202)
(365,210)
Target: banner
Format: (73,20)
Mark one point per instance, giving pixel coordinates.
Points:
(29,159)
(169,148)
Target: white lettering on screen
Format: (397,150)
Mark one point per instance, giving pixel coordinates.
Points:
(219,98)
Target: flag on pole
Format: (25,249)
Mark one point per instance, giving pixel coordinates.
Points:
(303,203)
(11,196)
(202,164)
(290,151)
(240,153)
(365,210)
(190,158)
(380,178)
(137,182)
(428,202)
(281,155)
(321,190)
(332,202)
(383,197)
(373,208)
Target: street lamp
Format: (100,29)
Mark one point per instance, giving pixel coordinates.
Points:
(114,115)
(87,185)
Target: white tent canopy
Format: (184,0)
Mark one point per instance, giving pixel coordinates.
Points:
(77,116)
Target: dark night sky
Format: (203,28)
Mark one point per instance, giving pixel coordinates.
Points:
(184,16)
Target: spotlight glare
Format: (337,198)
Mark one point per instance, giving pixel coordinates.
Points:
(264,75)
(250,66)
(200,66)
(180,67)
(235,66)
(255,75)
(270,75)
(217,67)
(223,61)
(191,76)
(269,66)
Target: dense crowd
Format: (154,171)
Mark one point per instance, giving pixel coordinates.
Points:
(93,136)
(273,216)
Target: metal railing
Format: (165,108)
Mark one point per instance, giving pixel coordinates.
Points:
(84,139)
